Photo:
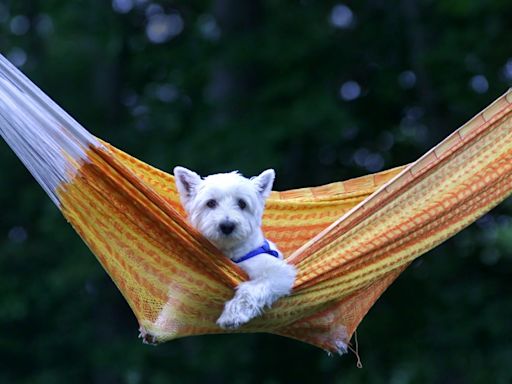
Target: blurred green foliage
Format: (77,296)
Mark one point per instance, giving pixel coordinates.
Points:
(320,91)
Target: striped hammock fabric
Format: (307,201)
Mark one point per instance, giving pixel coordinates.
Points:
(349,240)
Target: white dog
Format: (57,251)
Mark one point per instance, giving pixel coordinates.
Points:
(227,209)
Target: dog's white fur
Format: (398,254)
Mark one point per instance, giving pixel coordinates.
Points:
(229,202)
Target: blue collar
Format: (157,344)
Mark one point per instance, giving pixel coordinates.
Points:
(265,248)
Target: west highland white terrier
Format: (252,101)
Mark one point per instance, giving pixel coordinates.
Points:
(227,209)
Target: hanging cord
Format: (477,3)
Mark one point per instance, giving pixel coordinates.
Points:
(359,364)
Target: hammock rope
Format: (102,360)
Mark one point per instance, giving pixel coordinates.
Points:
(349,240)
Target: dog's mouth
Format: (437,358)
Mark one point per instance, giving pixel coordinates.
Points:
(226,234)
(230,236)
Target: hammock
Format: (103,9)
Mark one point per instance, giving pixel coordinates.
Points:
(349,240)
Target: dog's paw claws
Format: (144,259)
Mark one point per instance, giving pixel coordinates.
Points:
(228,324)
(227,321)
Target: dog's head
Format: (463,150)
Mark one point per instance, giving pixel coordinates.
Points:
(226,208)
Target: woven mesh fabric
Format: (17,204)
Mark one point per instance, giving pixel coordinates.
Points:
(349,240)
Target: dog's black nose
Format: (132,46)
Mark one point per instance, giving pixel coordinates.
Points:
(227,227)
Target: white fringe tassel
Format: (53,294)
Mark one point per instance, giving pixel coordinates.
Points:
(41,133)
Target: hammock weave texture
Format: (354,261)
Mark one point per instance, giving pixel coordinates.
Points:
(349,240)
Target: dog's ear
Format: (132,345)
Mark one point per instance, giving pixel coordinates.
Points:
(186,182)
(264,182)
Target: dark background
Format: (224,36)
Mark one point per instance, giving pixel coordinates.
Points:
(319,90)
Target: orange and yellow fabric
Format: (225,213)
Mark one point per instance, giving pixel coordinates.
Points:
(349,240)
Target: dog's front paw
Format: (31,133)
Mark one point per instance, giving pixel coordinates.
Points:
(237,312)
(231,321)
(233,316)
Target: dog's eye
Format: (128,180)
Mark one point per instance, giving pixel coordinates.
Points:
(211,203)
(242,204)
